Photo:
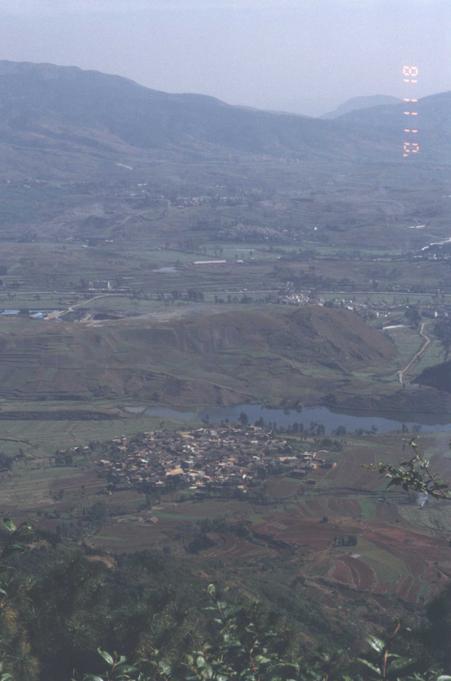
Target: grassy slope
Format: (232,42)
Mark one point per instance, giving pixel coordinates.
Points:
(204,358)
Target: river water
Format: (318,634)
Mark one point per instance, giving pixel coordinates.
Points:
(307,416)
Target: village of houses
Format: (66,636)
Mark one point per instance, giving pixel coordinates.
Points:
(229,460)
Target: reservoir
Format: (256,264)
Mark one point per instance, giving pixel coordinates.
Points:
(307,418)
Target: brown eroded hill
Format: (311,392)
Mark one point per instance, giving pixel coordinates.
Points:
(219,357)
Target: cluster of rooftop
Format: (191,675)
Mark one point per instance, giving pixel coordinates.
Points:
(228,458)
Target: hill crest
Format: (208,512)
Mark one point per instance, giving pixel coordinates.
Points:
(212,357)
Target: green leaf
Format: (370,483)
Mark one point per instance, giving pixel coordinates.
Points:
(9,525)
(106,656)
(164,667)
(400,663)
(92,677)
(211,590)
(261,659)
(376,643)
(16,547)
(207,672)
(370,665)
(288,665)
(128,669)
(200,662)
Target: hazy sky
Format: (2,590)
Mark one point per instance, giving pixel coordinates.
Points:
(301,55)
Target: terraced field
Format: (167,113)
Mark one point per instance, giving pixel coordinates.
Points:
(362,541)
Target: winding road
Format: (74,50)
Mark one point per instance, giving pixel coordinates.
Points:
(417,356)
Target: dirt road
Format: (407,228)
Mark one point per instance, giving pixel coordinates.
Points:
(417,356)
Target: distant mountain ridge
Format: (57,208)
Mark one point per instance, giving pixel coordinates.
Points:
(40,100)
(54,117)
(358,103)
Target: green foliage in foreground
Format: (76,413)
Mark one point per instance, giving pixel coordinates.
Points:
(238,651)
(60,611)
(59,605)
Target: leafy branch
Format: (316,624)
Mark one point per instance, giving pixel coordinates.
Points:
(237,650)
(383,664)
(414,475)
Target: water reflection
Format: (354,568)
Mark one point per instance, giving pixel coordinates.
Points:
(317,420)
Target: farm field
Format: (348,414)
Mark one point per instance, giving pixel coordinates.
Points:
(344,532)
(344,536)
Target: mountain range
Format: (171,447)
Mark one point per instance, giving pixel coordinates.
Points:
(56,110)
(357,103)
